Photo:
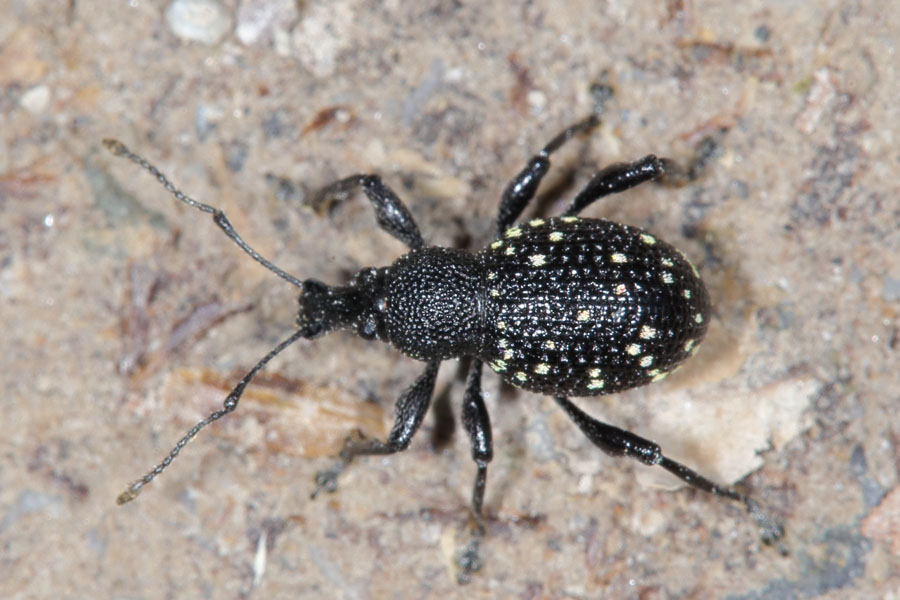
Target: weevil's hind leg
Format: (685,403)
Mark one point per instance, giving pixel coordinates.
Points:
(410,410)
(390,212)
(522,188)
(477,423)
(231,402)
(707,151)
(616,178)
(618,442)
(117,148)
(619,177)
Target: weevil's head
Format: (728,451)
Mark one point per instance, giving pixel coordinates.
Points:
(359,306)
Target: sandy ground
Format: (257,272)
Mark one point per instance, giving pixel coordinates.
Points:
(127,317)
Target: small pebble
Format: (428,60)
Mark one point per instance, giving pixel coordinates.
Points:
(36,99)
(204,21)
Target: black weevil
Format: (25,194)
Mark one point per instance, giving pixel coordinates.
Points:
(564,306)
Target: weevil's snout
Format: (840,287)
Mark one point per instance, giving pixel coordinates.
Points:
(357,306)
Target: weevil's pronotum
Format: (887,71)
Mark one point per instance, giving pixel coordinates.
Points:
(564,306)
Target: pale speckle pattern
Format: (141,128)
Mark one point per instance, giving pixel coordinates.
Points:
(569,219)
(495,292)
(499,365)
(698,318)
(659,377)
(497,245)
(492,275)
(550,342)
(536,222)
(647,332)
(688,345)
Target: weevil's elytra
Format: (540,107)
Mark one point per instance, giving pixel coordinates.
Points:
(587,307)
(564,306)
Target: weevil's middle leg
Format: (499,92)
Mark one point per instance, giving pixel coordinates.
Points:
(477,423)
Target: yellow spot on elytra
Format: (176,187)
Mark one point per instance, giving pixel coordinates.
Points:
(633,349)
(537,260)
(509,251)
(513,232)
(621,289)
(497,244)
(536,222)
(507,354)
(647,333)
(502,343)
(495,292)
(542,369)
(521,376)
(667,277)
(583,315)
(646,361)
(549,344)
(498,365)
(653,372)
(698,318)
(618,257)
(501,325)
(569,219)
(667,262)
(648,239)
(688,345)
(556,236)
(594,373)
(687,294)
(659,377)
(596,384)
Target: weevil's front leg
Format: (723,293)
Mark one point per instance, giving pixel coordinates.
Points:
(390,212)
(410,411)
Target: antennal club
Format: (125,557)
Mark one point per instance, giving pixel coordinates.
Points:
(117,148)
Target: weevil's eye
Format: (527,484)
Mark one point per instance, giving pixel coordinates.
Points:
(368,328)
(365,276)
